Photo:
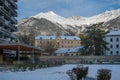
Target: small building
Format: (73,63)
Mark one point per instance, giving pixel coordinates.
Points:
(18,53)
(113,38)
(75,51)
(58,41)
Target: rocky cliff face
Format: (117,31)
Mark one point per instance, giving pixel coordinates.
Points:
(113,24)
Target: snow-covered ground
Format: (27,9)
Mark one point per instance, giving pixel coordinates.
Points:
(57,73)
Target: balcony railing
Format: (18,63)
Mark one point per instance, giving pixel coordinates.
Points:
(7,14)
(5,31)
(12,27)
(14,4)
(13,36)
(2,20)
(1,1)
(6,3)
(14,13)
(15,0)
(13,20)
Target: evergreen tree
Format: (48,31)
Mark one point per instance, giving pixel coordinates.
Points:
(93,40)
(50,47)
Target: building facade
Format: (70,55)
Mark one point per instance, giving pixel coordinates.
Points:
(7,20)
(57,41)
(113,39)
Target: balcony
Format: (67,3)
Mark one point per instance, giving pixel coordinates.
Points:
(5,31)
(2,20)
(15,0)
(3,11)
(6,4)
(12,27)
(13,13)
(13,4)
(13,20)
(13,36)
(2,39)
(1,1)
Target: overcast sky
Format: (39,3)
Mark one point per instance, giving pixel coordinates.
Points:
(65,8)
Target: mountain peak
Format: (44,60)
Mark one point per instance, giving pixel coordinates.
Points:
(51,13)
(45,14)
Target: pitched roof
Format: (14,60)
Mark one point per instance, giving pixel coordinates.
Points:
(114,33)
(70,37)
(68,50)
(45,37)
(53,37)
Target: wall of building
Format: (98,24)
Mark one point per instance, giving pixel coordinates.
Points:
(68,54)
(58,42)
(1,58)
(81,59)
(114,45)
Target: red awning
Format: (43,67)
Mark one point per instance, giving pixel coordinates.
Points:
(23,47)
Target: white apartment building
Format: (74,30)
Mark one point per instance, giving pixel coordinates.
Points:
(7,20)
(113,38)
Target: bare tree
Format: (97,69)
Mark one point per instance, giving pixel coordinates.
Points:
(50,47)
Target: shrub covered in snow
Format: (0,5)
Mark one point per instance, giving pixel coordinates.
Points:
(104,74)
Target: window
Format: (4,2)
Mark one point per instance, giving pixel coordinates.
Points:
(111,39)
(111,46)
(77,54)
(111,52)
(117,52)
(117,46)
(117,39)
(40,38)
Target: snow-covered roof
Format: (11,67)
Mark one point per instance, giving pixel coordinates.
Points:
(67,50)
(114,33)
(70,37)
(45,37)
(53,37)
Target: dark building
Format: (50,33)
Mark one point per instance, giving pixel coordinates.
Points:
(8,21)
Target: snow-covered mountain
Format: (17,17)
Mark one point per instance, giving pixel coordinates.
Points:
(77,20)
(49,22)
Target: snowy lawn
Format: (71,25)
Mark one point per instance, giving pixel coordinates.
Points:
(57,73)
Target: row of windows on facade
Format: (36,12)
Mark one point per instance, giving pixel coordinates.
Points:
(62,39)
(64,46)
(69,54)
(62,42)
(111,39)
(117,46)
(117,52)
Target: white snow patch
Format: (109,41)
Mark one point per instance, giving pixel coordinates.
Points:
(57,73)
(79,20)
